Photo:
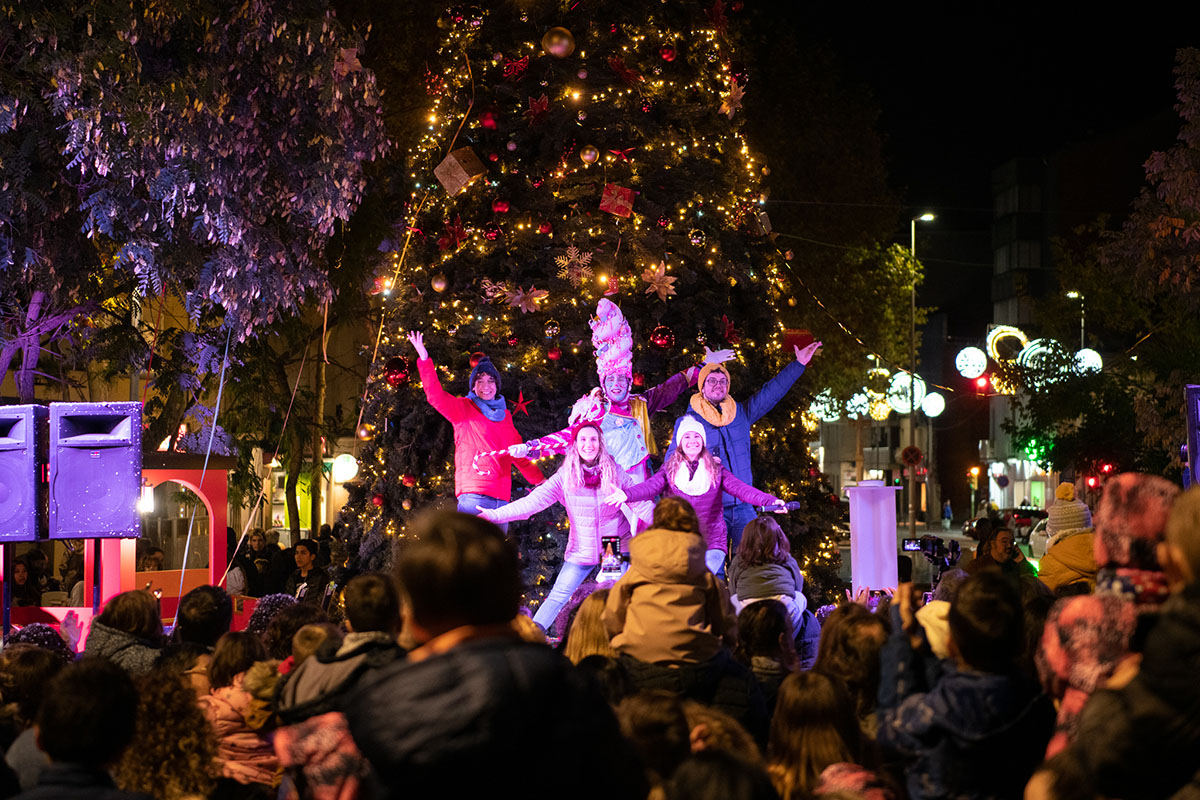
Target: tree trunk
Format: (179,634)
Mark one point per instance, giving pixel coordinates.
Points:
(295,461)
(30,351)
(859,453)
(318,454)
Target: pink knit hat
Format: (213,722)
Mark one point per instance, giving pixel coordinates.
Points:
(1131,520)
(613,341)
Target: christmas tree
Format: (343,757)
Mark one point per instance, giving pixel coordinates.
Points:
(574,153)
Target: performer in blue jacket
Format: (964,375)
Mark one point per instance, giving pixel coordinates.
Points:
(727,425)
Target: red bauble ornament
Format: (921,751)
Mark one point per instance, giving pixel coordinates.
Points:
(554,354)
(500,205)
(408,479)
(663,221)
(662,337)
(647,106)
(476,358)
(377,500)
(545,227)
(488,120)
(513,341)
(395,371)
(639,379)
(536,182)
(667,52)
(491,231)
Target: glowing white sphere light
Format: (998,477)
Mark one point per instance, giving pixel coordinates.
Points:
(933,404)
(344,468)
(824,407)
(971,362)
(858,406)
(1088,360)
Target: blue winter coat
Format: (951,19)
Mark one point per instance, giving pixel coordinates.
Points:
(731,443)
(972,734)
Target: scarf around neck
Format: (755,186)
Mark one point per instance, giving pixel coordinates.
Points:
(692,483)
(493,409)
(717,416)
(591,474)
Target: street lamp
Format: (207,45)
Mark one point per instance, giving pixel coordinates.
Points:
(1079,296)
(912,373)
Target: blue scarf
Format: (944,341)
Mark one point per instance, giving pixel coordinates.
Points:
(493,409)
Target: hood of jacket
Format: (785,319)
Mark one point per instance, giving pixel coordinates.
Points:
(665,556)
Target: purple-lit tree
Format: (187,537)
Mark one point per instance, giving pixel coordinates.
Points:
(205,156)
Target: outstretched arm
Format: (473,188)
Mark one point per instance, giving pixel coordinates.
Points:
(743,491)
(541,498)
(774,390)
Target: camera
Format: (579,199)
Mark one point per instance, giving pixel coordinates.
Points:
(938,552)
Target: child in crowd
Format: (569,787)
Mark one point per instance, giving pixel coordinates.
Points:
(763,567)
(813,728)
(1138,736)
(243,756)
(977,729)
(668,608)
(851,641)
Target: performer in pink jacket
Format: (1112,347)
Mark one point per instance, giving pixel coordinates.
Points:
(588,474)
(691,472)
(482,424)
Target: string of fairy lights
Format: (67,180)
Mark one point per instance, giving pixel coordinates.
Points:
(419,276)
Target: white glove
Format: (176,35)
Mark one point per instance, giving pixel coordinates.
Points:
(616,498)
(718,356)
(518,450)
(486,513)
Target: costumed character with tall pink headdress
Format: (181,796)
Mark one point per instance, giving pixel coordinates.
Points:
(624,418)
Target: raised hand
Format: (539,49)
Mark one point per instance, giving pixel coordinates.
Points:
(780,507)
(718,356)
(805,354)
(518,450)
(417,339)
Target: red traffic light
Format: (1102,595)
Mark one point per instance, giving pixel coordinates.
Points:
(1092,481)
(981,384)
(1106,468)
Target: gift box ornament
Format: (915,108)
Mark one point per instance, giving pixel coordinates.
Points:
(617,200)
(760,224)
(458,169)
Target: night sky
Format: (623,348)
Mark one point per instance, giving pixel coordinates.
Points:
(961,94)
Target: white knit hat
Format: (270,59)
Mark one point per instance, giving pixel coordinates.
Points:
(1067,513)
(687,423)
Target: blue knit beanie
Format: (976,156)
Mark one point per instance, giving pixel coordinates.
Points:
(486,367)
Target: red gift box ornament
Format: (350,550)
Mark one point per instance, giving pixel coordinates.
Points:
(617,200)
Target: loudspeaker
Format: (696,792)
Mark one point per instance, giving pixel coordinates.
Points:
(22,487)
(95,470)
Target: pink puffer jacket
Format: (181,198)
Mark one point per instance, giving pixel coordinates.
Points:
(241,753)
(590,517)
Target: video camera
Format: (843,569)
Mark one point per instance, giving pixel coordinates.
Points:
(937,551)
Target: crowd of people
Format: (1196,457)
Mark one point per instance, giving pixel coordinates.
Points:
(433,680)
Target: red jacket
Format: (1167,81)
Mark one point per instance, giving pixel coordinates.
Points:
(475,433)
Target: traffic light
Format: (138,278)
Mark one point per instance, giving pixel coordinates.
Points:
(982,384)
(973,475)
(1092,481)
(1106,469)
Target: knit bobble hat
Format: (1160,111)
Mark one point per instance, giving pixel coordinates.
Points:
(689,423)
(484,367)
(1131,520)
(1067,513)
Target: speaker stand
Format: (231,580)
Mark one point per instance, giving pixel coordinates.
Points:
(9,555)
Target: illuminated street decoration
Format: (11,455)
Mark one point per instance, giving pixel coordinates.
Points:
(971,362)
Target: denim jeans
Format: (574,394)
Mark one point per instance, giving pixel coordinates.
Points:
(470,503)
(568,580)
(736,518)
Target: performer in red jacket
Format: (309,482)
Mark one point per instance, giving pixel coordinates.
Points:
(482,424)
